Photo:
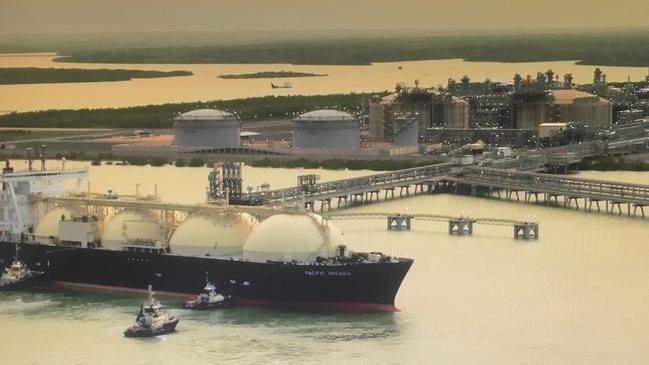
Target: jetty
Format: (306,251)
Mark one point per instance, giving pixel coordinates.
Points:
(531,177)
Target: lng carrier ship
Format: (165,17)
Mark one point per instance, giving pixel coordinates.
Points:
(268,256)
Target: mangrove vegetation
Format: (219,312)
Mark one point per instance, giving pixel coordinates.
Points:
(134,160)
(616,48)
(161,116)
(35,75)
(270,75)
(611,163)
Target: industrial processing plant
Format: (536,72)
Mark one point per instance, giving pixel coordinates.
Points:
(410,121)
(464,109)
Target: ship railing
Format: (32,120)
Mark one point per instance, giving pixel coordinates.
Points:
(557,184)
(428,217)
(26,174)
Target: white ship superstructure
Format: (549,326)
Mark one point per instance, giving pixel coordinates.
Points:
(20,188)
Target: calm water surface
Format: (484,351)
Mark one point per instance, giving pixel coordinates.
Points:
(578,295)
(205,85)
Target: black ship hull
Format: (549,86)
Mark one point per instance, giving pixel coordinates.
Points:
(349,286)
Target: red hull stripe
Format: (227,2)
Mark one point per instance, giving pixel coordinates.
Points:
(112,289)
(344,306)
(341,306)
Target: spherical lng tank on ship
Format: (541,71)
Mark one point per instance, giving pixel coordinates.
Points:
(222,235)
(286,237)
(207,128)
(326,129)
(129,227)
(48,225)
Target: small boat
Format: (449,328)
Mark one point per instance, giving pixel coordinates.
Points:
(286,85)
(211,299)
(18,276)
(152,320)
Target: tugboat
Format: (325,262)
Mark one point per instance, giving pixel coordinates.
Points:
(210,299)
(152,320)
(18,276)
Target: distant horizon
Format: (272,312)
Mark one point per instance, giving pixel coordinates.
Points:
(354,32)
(119,16)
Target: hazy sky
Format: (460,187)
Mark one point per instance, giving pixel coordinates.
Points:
(36,16)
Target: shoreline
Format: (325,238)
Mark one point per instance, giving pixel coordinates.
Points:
(611,164)
(605,164)
(160,116)
(50,75)
(616,48)
(334,164)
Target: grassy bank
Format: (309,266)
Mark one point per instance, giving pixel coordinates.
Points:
(160,116)
(635,84)
(330,164)
(135,160)
(33,75)
(612,48)
(270,75)
(21,134)
(342,164)
(614,164)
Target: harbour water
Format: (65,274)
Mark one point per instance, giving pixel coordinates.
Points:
(578,295)
(205,84)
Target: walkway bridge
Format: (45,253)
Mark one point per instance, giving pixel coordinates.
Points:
(361,189)
(456,225)
(490,181)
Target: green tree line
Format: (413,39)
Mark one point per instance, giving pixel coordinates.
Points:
(35,75)
(270,75)
(612,48)
(161,116)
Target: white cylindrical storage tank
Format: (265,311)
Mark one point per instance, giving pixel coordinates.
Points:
(130,227)
(326,129)
(286,237)
(48,225)
(405,131)
(207,128)
(222,235)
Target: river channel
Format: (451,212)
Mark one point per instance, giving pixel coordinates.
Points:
(205,84)
(577,295)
